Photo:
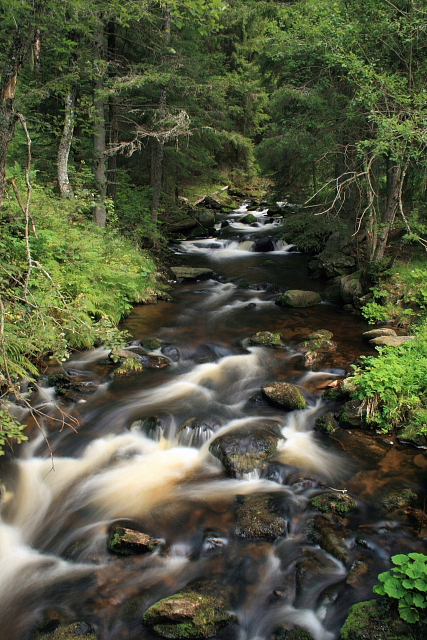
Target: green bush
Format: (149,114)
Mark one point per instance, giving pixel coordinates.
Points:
(393,386)
(407,582)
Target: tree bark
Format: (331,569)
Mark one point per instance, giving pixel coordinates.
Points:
(395,176)
(113,133)
(100,169)
(23,40)
(158,145)
(65,144)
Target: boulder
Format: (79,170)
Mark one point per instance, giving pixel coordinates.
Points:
(285,395)
(187,614)
(351,289)
(256,519)
(378,333)
(263,245)
(208,202)
(65,631)
(247,448)
(398,499)
(390,341)
(206,217)
(333,502)
(379,620)
(411,434)
(332,263)
(249,219)
(151,343)
(324,531)
(298,298)
(353,414)
(191,273)
(326,423)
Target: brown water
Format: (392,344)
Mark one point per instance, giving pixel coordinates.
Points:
(130,460)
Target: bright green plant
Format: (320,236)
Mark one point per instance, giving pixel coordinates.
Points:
(407,582)
(10,429)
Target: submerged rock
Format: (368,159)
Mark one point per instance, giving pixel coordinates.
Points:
(288,396)
(70,631)
(248,447)
(324,531)
(187,615)
(191,273)
(398,499)
(256,519)
(298,298)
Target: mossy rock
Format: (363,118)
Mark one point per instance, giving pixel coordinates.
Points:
(297,633)
(413,434)
(151,343)
(334,502)
(247,448)
(267,339)
(317,344)
(324,531)
(353,414)
(250,218)
(129,366)
(125,541)
(187,615)
(68,632)
(298,298)
(256,519)
(326,423)
(379,620)
(398,499)
(268,263)
(191,273)
(321,334)
(285,395)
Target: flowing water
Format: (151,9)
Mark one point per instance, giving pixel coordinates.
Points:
(138,453)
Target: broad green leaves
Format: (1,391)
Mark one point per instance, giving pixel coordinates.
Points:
(407,582)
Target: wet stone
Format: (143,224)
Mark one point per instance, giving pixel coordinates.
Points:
(256,519)
(326,423)
(151,343)
(125,541)
(298,298)
(187,615)
(63,632)
(247,448)
(285,395)
(398,499)
(334,502)
(191,273)
(267,339)
(377,333)
(324,531)
(129,366)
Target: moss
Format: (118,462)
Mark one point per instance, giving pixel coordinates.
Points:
(297,633)
(129,366)
(249,219)
(151,343)
(326,423)
(340,503)
(268,263)
(379,620)
(297,298)
(321,334)
(129,542)
(187,615)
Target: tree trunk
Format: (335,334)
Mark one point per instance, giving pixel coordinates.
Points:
(19,50)
(158,145)
(100,169)
(395,175)
(113,132)
(65,144)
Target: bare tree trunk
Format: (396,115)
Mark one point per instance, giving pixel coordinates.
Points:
(100,169)
(158,148)
(65,143)
(23,40)
(113,133)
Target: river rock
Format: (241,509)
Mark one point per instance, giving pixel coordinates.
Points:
(125,541)
(151,343)
(187,614)
(298,298)
(353,414)
(248,447)
(255,518)
(379,620)
(333,502)
(267,339)
(378,333)
(390,341)
(195,432)
(398,499)
(65,631)
(263,245)
(324,531)
(249,219)
(332,263)
(128,367)
(351,290)
(208,202)
(411,434)
(285,395)
(326,423)
(191,273)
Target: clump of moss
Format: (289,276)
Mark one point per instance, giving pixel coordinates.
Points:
(73,630)
(326,423)
(285,395)
(379,620)
(130,542)
(256,519)
(340,503)
(267,339)
(151,343)
(187,615)
(129,366)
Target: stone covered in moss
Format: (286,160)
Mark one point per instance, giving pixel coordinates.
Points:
(413,433)
(267,339)
(129,366)
(321,334)
(379,620)
(326,423)
(324,531)
(298,298)
(151,343)
(125,541)
(249,219)
(334,502)
(187,615)
(248,447)
(353,414)
(68,632)
(286,395)
(256,519)
(191,273)
(398,499)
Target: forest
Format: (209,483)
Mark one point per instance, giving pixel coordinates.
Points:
(116,118)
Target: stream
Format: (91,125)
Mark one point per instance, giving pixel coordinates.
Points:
(138,453)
